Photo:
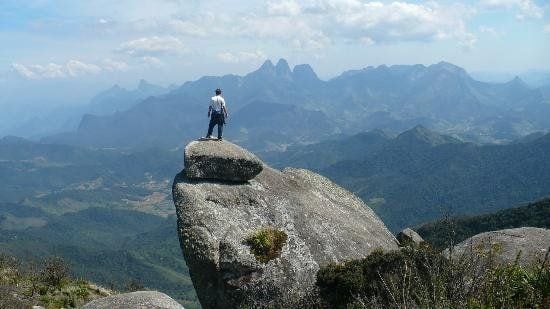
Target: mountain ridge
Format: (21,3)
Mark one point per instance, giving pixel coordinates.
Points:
(440,96)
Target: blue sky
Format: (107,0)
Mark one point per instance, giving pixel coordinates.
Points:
(100,42)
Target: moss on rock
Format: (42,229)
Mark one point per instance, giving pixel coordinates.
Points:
(266,244)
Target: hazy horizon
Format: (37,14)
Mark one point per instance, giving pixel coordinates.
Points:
(90,45)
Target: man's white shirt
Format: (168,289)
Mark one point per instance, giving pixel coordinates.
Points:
(217,102)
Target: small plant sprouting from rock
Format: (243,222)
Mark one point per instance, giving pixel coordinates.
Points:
(266,243)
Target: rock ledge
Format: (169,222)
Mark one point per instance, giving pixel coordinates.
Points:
(221,160)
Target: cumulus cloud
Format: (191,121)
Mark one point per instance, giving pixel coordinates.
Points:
(396,21)
(153,46)
(242,57)
(525,8)
(316,24)
(310,25)
(300,33)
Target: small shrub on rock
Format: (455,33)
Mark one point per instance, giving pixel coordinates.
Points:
(54,271)
(266,244)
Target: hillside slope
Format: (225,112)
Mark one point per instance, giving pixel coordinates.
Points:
(439,233)
(421,175)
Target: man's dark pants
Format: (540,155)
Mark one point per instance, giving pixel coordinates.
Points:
(216,119)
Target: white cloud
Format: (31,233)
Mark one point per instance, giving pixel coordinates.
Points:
(37,71)
(242,57)
(24,71)
(77,68)
(490,30)
(73,68)
(315,24)
(152,61)
(525,8)
(300,33)
(367,41)
(152,46)
(187,27)
(547,28)
(397,21)
(305,25)
(285,8)
(114,65)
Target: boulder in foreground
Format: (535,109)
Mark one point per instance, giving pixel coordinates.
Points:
(221,160)
(260,243)
(140,299)
(532,242)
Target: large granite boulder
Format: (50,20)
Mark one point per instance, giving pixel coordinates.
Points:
(140,299)
(532,242)
(314,222)
(213,159)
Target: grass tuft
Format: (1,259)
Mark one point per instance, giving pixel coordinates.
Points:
(266,244)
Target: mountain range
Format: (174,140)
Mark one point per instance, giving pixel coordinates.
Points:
(46,118)
(275,106)
(420,175)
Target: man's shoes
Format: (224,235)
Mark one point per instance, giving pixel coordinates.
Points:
(208,137)
(220,139)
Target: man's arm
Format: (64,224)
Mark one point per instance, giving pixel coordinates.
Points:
(224,109)
(209,111)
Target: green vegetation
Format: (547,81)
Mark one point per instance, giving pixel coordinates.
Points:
(441,232)
(266,244)
(112,248)
(419,277)
(107,212)
(48,284)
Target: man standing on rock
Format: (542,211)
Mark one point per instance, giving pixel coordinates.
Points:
(217,113)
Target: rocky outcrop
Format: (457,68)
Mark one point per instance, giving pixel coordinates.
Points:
(407,237)
(213,159)
(224,226)
(529,242)
(140,299)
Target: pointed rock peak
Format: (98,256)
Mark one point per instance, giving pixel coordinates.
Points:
(282,66)
(267,65)
(518,82)
(304,72)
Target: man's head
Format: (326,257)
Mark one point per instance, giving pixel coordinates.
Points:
(218,91)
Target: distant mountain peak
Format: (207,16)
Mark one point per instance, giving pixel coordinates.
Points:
(143,83)
(304,72)
(447,66)
(421,134)
(267,65)
(517,81)
(282,69)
